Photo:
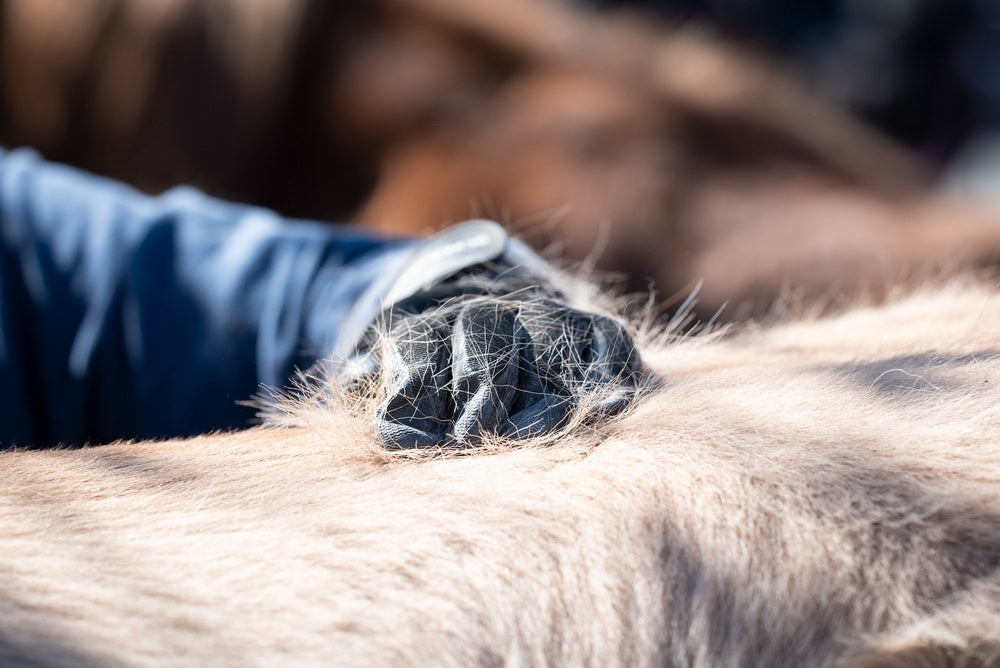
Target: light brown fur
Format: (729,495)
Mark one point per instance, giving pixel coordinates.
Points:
(811,493)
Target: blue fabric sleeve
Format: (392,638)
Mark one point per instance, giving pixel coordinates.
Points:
(129,316)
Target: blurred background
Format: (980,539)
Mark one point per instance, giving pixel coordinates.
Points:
(921,71)
(751,148)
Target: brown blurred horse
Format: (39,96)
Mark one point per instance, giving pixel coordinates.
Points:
(664,156)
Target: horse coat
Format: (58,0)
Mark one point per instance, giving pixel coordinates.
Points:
(812,492)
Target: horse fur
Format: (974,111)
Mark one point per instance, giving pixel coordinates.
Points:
(821,492)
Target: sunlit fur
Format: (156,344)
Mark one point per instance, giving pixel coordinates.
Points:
(819,492)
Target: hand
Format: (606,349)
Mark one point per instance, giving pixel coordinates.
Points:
(492,351)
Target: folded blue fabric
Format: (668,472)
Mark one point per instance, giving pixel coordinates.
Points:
(129,316)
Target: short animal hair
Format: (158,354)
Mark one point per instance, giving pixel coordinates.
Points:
(816,492)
